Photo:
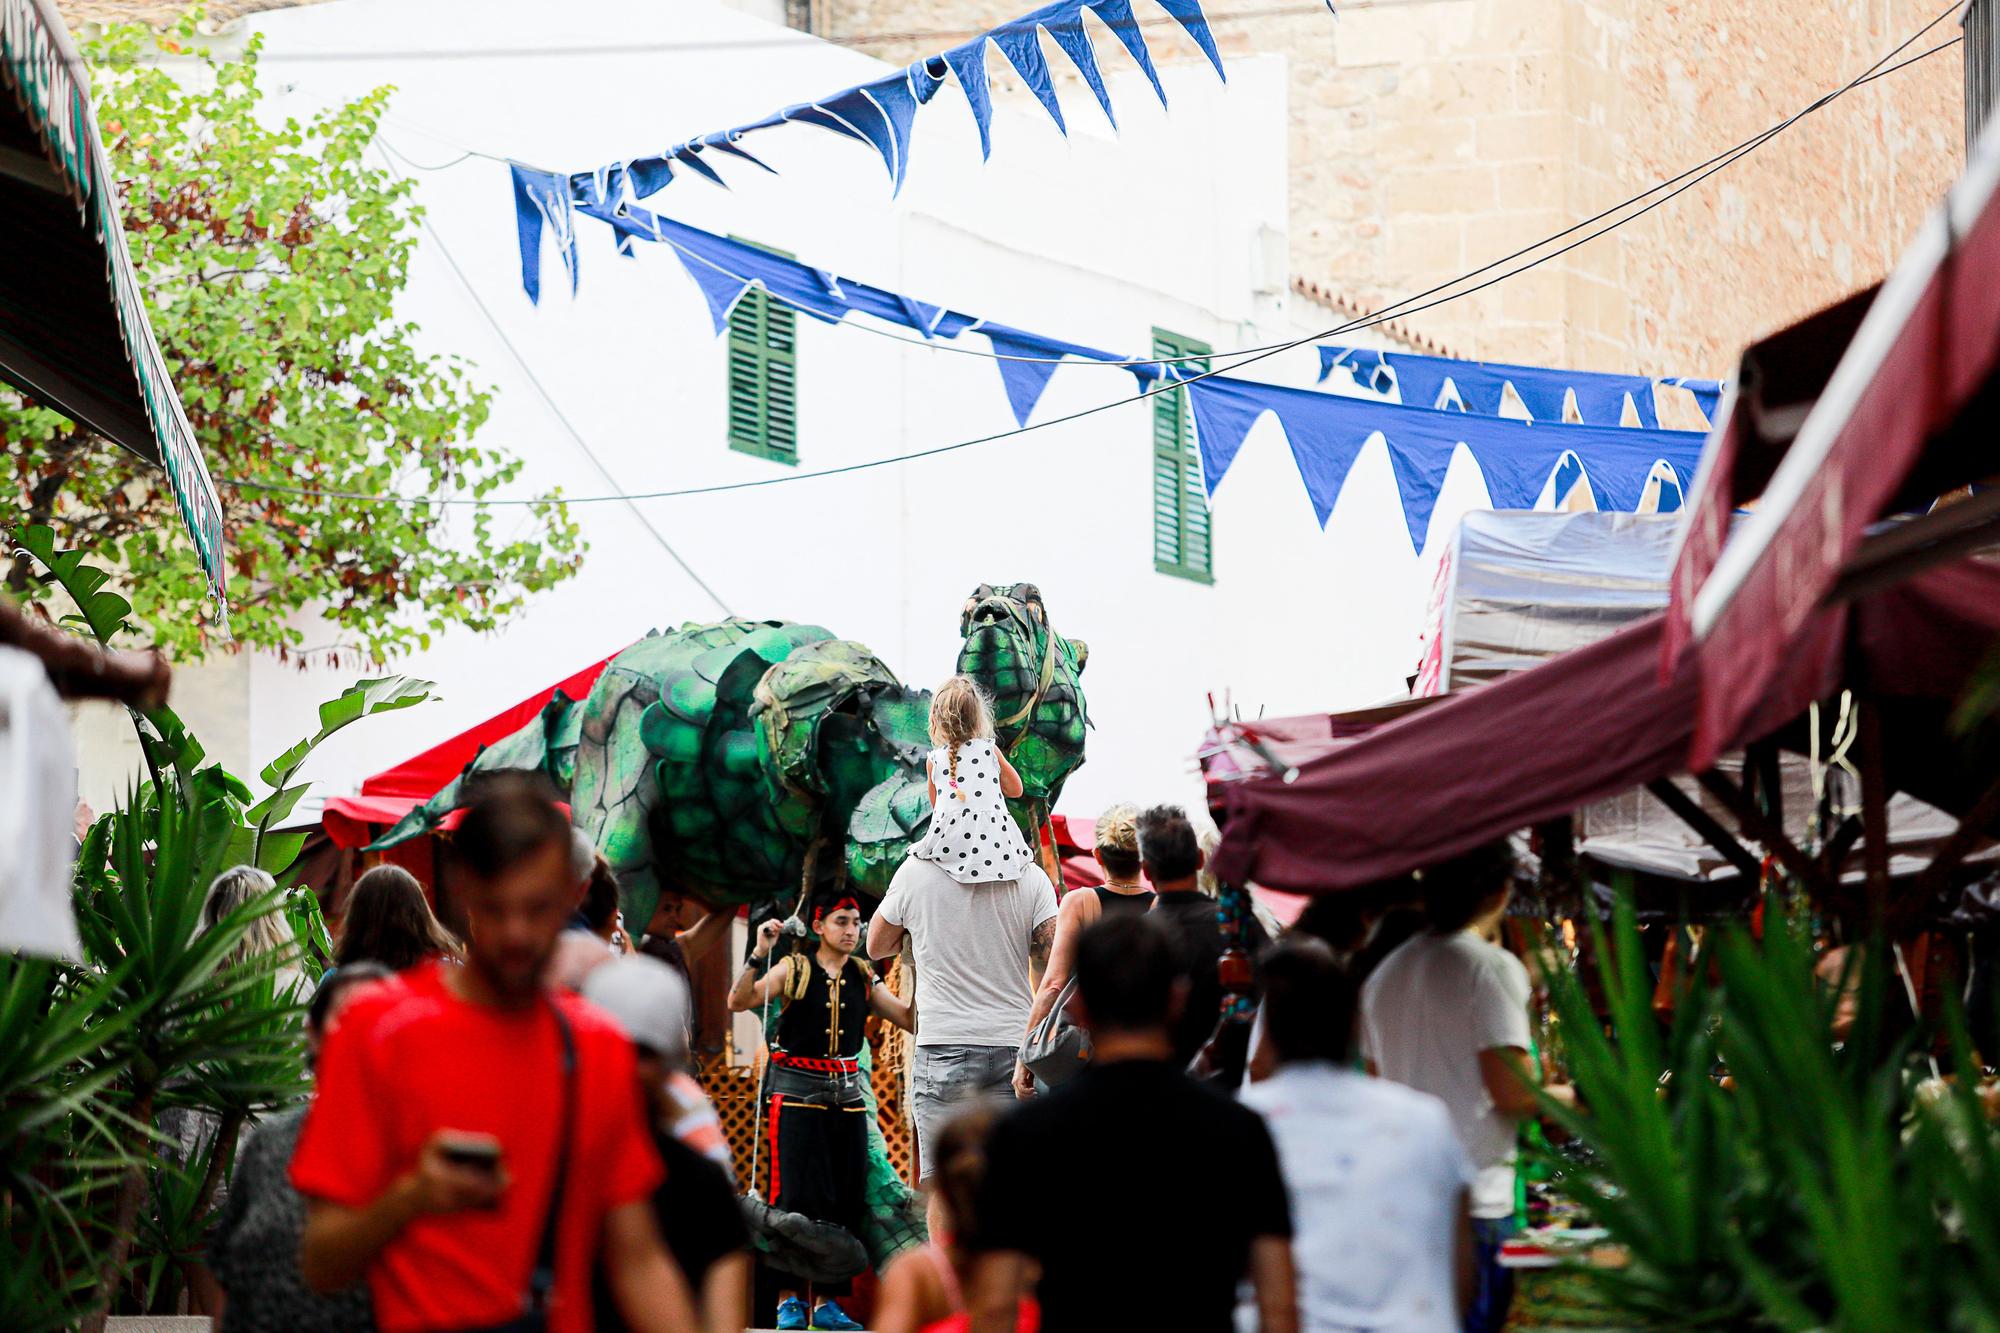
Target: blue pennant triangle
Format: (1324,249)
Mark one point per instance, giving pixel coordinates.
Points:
(968,64)
(725,142)
(1223,416)
(1023,380)
(1420,467)
(689,156)
(898,105)
(1323,449)
(649,175)
(721,290)
(859,111)
(923,316)
(1023,49)
(926,77)
(1420,380)
(1190,16)
(542,202)
(1068,33)
(1516,467)
(1117,15)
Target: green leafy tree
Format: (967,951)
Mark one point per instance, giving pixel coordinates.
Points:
(272,253)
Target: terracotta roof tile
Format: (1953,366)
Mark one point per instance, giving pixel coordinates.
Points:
(163,13)
(1343,304)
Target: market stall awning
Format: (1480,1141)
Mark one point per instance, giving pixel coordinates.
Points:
(353,821)
(73,327)
(1588,724)
(1907,413)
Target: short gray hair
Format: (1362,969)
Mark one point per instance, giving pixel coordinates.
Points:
(582,855)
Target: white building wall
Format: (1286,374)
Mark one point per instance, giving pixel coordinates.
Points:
(1176,222)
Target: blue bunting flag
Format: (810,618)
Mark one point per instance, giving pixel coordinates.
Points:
(1326,432)
(880,113)
(1480,385)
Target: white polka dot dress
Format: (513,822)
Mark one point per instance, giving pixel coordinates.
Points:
(972,837)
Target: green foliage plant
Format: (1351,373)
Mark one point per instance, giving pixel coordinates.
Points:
(1777,1153)
(97,1210)
(272,252)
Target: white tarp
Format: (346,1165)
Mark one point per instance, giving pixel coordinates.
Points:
(1523,586)
(37,813)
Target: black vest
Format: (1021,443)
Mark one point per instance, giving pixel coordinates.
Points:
(823,1017)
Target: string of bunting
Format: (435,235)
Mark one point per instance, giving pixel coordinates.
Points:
(1481,386)
(1326,431)
(879,113)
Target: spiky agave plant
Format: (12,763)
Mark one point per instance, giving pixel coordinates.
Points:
(1658,1162)
(1827,1183)
(58,1147)
(191,1004)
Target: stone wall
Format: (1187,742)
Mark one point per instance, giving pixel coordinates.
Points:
(1429,137)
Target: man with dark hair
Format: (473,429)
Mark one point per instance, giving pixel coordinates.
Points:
(1095,1182)
(477,1145)
(1447,1014)
(1378,1179)
(1170,851)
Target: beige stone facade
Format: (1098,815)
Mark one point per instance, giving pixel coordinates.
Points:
(1430,137)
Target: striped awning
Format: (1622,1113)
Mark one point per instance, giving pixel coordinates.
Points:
(73,327)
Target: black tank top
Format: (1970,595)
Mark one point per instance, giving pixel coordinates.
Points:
(824,1018)
(1109,901)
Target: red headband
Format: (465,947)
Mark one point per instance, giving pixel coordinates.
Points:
(822,910)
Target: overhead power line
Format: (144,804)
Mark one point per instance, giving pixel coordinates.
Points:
(1421,301)
(796,39)
(562,418)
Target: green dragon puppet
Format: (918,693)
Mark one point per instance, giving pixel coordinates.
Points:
(748,761)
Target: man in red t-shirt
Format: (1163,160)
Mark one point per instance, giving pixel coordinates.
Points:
(429,1158)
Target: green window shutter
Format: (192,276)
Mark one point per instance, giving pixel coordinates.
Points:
(764,377)
(1181,536)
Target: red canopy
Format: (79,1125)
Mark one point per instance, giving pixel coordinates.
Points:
(1916,368)
(389,795)
(1578,728)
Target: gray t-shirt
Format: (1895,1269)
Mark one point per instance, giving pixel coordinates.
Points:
(971,946)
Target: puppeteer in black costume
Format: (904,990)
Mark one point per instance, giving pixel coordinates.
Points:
(817,1111)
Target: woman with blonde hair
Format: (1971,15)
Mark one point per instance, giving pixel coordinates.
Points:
(1117,854)
(270,933)
(972,836)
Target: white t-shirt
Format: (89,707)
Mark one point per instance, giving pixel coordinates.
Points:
(1375,1172)
(971,946)
(1427,1012)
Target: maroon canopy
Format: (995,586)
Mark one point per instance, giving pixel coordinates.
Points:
(1578,728)
(1920,367)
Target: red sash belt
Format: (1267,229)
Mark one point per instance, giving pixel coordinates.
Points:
(815,1065)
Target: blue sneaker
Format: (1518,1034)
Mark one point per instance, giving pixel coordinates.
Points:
(792,1314)
(831,1316)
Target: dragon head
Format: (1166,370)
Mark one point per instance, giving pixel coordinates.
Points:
(1034,677)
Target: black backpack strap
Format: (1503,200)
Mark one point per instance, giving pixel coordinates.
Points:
(543,1279)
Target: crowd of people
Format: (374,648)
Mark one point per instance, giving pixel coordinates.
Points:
(505,1132)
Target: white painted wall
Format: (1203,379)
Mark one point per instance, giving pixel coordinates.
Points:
(1096,239)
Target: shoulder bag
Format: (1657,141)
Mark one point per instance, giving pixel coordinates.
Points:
(534,1316)
(1056,1048)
